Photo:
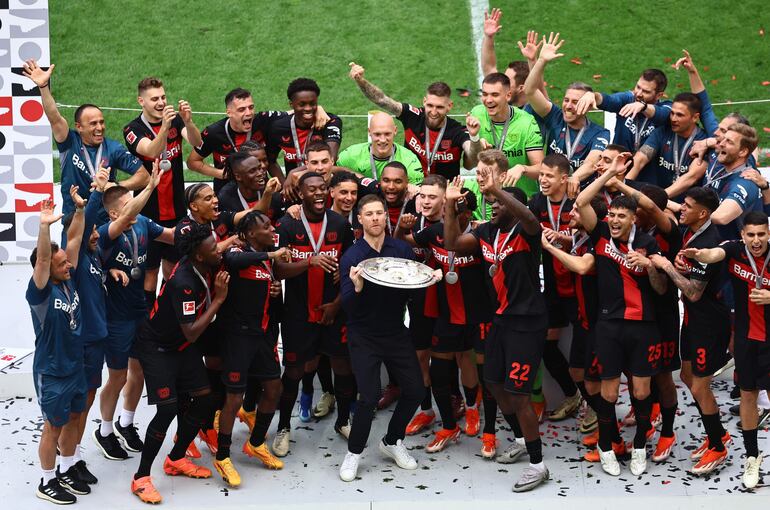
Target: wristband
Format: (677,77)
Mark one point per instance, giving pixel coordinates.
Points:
(765,188)
(644,105)
(43,86)
(475,138)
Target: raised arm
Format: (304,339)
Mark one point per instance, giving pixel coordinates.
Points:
(534,83)
(372,92)
(454,239)
(583,200)
(641,157)
(139,180)
(580,264)
(705,255)
(134,206)
(76,228)
(488,184)
(42,270)
(491,27)
(190,132)
(42,79)
(153,148)
(694,174)
(662,221)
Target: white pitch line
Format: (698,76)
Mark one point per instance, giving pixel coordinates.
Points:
(478,8)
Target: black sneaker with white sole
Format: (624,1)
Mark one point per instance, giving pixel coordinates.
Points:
(72,482)
(84,473)
(129,436)
(55,493)
(110,446)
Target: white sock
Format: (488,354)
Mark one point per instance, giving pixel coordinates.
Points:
(126,418)
(762,400)
(77,454)
(65,463)
(521,441)
(105,429)
(540,466)
(48,475)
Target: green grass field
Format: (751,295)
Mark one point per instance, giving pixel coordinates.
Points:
(203,49)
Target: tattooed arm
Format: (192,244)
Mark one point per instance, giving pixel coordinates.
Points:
(372,92)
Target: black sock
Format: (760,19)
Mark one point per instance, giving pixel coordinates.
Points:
(223,445)
(643,410)
(156,433)
(490,404)
(557,366)
(608,427)
(253,390)
(750,442)
(325,375)
(287,400)
(261,424)
(440,376)
(470,395)
(201,407)
(454,381)
(218,392)
(535,450)
(344,391)
(581,386)
(427,401)
(667,426)
(593,401)
(307,382)
(697,406)
(392,380)
(514,424)
(654,394)
(714,431)
(149,299)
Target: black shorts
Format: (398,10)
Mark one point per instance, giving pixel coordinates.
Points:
(668,326)
(752,362)
(172,372)
(157,251)
(248,354)
(421,331)
(577,349)
(628,345)
(705,348)
(454,337)
(513,353)
(562,311)
(210,343)
(303,341)
(593,369)
(481,338)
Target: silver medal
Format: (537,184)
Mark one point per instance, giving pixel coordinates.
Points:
(451,277)
(136,273)
(165,165)
(73,324)
(492,271)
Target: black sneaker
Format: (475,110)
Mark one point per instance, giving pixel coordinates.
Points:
(84,473)
(129,436)
(735,410)
(55,493)
(763,416)
(110,446)
(735,392)
(72,482)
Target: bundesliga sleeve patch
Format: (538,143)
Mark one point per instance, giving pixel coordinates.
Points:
(131,137)
(188,308)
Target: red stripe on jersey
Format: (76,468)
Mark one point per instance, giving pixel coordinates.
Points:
(502,291)
(757,325)
(454,297)
(632,295)
(431,302)
(266,309)
(581,301)
(166,210)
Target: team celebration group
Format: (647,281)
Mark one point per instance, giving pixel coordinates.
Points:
(673,209)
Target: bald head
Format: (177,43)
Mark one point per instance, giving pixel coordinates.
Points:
(382,129)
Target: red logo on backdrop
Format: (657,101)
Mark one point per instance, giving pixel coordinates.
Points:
(6,111)
(445,144)
(234,377)
(331,237)
(29,196)
(172,133)
(164,393)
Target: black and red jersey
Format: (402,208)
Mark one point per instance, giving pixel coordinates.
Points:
(625,291)
(281,138)
(167,200)
(233,201)
(424,301)
(670,244)
(752,321)
(181,300)
(586,291)
(220,140)
(464,302)
(306,292)
(558,281)
(516,280)
(709,313)
(448,152)
(221,228)
(247,307)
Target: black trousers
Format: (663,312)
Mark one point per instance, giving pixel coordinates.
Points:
(367,354)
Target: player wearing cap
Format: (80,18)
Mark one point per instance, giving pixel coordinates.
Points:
(83,150)
(187,303)
(157,133)
(626,332)
(123,245)
(438,141)
(510,246)
(747,265)
(58,361)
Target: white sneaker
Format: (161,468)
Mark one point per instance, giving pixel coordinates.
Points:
(609,462)
(281,443)
(349,467)
(638,461)
(751,472)
(511,454)
(399,453)
(530,478)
